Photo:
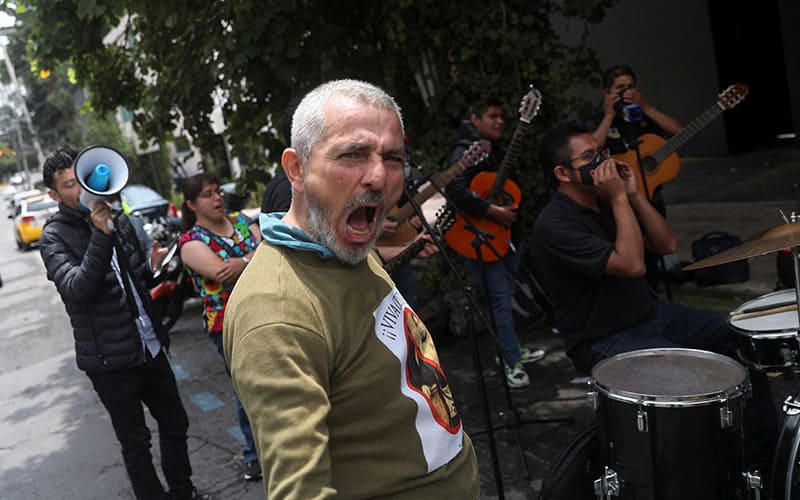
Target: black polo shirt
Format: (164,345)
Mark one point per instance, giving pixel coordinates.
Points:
(572,245)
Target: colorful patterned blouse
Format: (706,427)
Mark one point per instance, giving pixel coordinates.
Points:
(213,293)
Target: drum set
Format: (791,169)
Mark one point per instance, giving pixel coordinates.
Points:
(671,422)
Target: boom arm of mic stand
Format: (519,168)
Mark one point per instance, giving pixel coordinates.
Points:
(464,286)
(663,263)
(476,358)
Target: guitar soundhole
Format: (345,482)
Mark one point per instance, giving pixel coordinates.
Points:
(649,164)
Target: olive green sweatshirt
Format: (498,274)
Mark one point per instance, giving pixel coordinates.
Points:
(342,383)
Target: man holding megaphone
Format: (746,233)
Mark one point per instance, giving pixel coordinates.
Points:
(100,270)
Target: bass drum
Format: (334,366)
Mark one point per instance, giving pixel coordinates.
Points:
(786,473)
(572,474)
(671,425)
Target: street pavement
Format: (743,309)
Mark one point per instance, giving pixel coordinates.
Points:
(56,440)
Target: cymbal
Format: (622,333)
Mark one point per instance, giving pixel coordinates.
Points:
(773,240)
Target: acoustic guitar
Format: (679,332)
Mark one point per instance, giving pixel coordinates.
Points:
(477,152)
(498,189)
(444,220)
(660,162)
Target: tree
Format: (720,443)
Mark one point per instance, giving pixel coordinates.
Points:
(172,60)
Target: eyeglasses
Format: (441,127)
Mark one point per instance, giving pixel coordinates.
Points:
(210,193)
(589,156)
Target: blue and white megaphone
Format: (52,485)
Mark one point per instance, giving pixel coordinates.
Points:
(102,172)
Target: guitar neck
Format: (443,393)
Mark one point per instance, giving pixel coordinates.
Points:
(406,255)
(688,132)
(508,164)
(436,183)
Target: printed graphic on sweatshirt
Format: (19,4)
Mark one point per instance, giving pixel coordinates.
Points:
(422,379)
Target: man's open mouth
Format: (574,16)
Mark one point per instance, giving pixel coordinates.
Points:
(362,222)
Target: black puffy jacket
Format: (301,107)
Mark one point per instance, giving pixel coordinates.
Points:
(78,260)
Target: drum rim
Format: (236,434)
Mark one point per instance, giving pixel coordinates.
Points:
(766,334)
(655,400)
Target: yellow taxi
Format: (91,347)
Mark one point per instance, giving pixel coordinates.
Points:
(29,216)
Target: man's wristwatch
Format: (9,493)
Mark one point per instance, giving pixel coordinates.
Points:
(246,259)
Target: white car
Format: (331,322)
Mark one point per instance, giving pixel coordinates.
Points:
(21,195)
(8,193)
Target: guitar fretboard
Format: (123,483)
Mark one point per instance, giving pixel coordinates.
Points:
(509,162)
(688,132)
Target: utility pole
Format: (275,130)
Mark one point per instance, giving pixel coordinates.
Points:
(24,107)
(21,153)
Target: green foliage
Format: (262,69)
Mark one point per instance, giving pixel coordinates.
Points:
(173,59)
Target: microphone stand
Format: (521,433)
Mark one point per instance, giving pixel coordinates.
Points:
(635,142)
(471,308)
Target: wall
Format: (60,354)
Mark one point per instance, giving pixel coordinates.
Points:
(670,47)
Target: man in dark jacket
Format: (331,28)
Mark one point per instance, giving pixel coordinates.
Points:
(498,273)
(103,279)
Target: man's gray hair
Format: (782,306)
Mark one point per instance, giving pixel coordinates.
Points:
(308,121)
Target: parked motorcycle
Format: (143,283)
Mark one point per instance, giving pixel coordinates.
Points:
(175,287)
(163,229)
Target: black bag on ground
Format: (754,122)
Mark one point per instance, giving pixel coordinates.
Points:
(573,473)
(714,243)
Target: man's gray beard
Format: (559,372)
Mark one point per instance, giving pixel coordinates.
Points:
(321,233)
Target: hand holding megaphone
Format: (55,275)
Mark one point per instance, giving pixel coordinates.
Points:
(102,217)
(101,171)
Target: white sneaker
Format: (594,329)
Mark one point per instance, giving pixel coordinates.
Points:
(530,355)
(516,376)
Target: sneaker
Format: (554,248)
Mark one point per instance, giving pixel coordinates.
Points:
(196,495)
(193,495)
(516,376)
(252,471)
(526,355)
(530,355)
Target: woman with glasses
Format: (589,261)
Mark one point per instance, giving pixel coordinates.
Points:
(215,249)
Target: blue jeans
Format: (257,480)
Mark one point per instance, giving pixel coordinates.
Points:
(500,294)
(404,281)
(674,325)
(249,450)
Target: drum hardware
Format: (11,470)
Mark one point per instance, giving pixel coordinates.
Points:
(725,416)
(593,398)
(790,406)
(753,482)
(641,418)
(607,486)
